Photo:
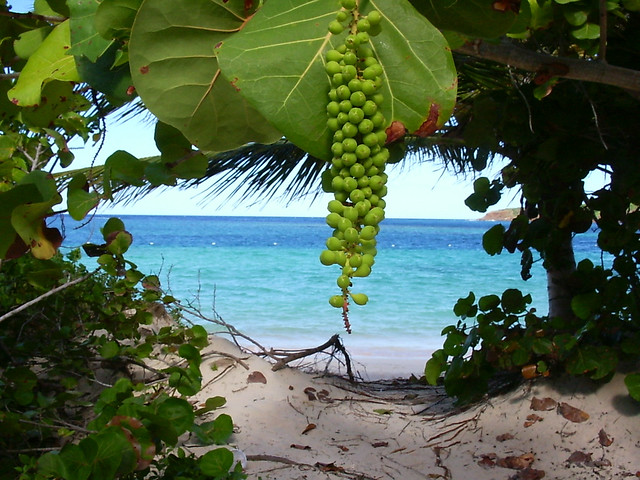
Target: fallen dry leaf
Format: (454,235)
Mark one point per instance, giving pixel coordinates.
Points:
(604,439)
(528,474)
(323,396)
(380,444)
(300,447)
(311,393)
(543,404)
(488,460)
(517,463)
(572,414)
(256,377)
(602,463)
(329,467)
(504,437)
(308,428)
(579,457)
(531,419)
(529,372)
(343,448)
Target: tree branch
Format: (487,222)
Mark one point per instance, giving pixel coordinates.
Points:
(585,70)
(53,291)
(44,18)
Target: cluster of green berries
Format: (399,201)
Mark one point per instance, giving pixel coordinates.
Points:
(356,176)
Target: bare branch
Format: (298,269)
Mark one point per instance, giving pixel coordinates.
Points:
(44,18)
(586,70)
(9,76)
(53,291)
(602,51)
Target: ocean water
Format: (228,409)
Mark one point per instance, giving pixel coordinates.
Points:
(263,276)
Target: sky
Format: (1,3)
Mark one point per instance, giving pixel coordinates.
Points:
(415,190)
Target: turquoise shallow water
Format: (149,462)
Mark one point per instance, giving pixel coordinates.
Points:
(262,275)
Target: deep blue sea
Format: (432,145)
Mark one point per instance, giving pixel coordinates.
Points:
(262,275)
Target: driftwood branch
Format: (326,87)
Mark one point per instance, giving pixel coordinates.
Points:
(334,342)
(585,70)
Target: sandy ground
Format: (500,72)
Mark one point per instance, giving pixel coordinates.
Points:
(290,424)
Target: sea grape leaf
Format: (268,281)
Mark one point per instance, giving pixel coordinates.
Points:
(475,18)
(216,463)
(104,76)
(493,239)
(79,200)
(417,64)
(171,56)
(49,62)
(114,18)
(29,41)
(85,39)
(178,412)
(632,381)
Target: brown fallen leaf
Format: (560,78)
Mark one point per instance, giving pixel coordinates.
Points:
(602,463)
(529,371)
(579,457)
(323,396)
(300,447)
(604,439)
(308,428)
(572,414)
(517,463)
(380,444)
(504,437)
(531,419)
(528,474)
(311,393)
(329,467)
(256,377)
(543,404)
(488,460)
(343,448)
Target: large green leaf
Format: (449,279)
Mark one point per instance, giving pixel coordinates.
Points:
(475,18)
(85,39)
(277,63)
(49,62)
(175,72)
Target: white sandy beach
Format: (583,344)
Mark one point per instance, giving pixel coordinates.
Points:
(295,425)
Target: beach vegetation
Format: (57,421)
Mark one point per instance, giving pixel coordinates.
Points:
(242,89)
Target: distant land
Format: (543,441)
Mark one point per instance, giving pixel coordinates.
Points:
(504,215)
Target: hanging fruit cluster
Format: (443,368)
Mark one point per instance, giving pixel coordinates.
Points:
(356,176)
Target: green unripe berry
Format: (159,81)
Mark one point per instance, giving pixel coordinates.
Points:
(351,235)
(358,99)
(349,144)
(338,136)
(337,80)
(336,166)
(363,25)
(345,106)
(335,206)
(378,98)
(327,257)
(341,16)
(359,298)
(362,37)
(343,92)
(342,118)
(350,58)
(349,72)
(337,149)
(369,108)
(351,213)
(332,68)
(356,115)
(349,159)
(357,170)
(356,195)
(350,185)
(343,281)
(372,72)
(355,85)
(333,219)
(363,181)
(351,42)
(337,185)
(336,301)
(333,124)
(335,27)
(363,207)
(341,195)
(344,223)
(369,61)
(333,108)
(349,130)
(333,55)
(365,127)
(368,232)
(348,4)
(378,120)
(334,244)
(368,87)
(374,17)
(362,152)
(355,260)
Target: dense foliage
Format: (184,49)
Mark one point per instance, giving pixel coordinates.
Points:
(550,86)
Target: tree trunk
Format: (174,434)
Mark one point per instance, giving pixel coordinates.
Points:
(560,265)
